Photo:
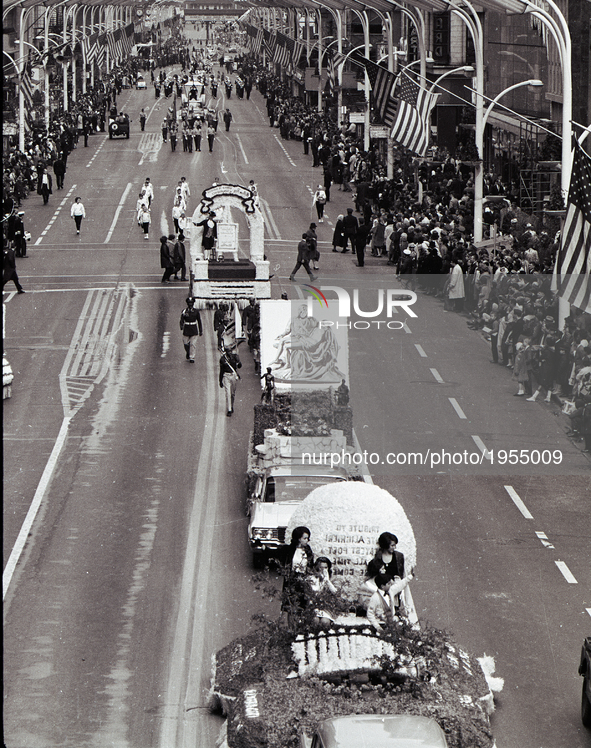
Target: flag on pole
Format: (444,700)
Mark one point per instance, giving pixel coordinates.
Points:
(411,127)
(27,88)
(573,264)
(331,72)
(382,82)
(269,41)
(101,50)
(281,54)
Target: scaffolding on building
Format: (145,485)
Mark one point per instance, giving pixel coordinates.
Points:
(536,176)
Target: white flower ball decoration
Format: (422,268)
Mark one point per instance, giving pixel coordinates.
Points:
(345,520)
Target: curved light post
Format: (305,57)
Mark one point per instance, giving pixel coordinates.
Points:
(558,28)
(461,69)
(479,173)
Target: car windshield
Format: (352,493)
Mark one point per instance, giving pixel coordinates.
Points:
(296,487)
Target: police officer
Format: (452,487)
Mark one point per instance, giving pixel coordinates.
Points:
(191,327)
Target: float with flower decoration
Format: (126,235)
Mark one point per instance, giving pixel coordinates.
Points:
(278,682)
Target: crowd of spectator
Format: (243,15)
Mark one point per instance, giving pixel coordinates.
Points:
(423,231)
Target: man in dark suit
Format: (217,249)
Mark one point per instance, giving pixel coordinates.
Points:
(59,169)
(361,240)
(350,227)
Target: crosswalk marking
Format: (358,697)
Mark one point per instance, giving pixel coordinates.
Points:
(92,346)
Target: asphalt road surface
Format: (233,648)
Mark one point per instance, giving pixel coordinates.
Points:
(126,563)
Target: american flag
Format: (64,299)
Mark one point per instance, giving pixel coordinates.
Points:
(127,40)
(269,41)
(573,264)
(255,38)
(332,73)
(411,127)
(281,54)
(298,48)
(101,50)
(90,46)
(112,46)
(382,82)
(27,88)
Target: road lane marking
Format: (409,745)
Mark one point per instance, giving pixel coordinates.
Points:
(289,158)
(242,148)
(566,572)
(437,376)
(55,215)
(184,675)
(149,146)
(420,350)
(481,446)
(588,610)
(518,502)
(266,210)
(165,344)
(544,540)
(27,525)
(126,192)
(96,153)
(456,407)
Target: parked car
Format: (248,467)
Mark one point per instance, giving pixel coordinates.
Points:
(377,731)
(585,671)
(119,125)
(277,494)
(140,82)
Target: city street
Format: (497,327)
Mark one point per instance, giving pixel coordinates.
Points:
(134,567)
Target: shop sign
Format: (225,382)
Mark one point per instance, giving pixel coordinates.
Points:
(357,118)
(9,128)
(379,131)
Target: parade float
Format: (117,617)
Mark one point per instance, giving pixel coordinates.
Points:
(280,682)
(218,271)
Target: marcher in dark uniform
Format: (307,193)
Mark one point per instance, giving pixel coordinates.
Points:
(229,365)
(227,119)
(191,327)
(9,269)
(220,320)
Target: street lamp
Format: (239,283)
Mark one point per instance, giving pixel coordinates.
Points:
(462,69)
(479,172)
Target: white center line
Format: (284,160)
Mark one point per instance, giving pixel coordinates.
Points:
(566,572)
(289,158)
(437,375)
(544,539)
(420,350)
(518,502)
(456,407)
(242,148)
(481,446)
(588,610)
(119,207)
